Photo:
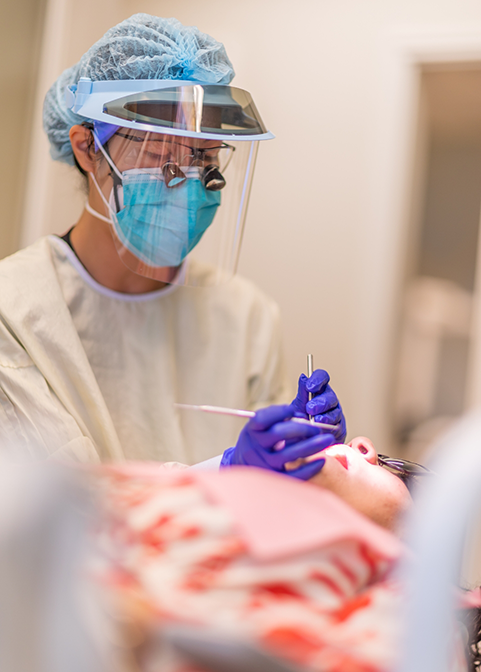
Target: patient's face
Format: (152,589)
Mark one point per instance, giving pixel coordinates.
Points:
(351,472)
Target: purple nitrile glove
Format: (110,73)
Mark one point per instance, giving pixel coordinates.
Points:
(270,440)
(324,405)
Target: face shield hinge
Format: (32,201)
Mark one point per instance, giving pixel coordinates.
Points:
(78,94)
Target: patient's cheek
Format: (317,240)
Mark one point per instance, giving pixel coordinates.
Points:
(372,491)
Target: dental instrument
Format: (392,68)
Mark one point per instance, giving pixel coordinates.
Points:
(220,410)
(310,369)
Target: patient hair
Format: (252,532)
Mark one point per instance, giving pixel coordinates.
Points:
(472,620)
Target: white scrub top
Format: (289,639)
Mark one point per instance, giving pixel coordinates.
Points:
(92,373)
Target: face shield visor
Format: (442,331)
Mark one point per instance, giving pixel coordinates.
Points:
(175,174)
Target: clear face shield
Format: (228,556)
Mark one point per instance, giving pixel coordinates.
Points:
(175,181)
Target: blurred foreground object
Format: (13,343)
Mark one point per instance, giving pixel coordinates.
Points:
(176,572)
(218,653)
(49,615)
(319,593)
(446,507)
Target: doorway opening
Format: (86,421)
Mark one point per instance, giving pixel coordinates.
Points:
(435,335)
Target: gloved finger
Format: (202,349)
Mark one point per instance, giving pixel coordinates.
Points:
(284,431)
(332,417)
(306,448)
(309,470)
(317,382)
(340,432)
(269,416)
(298,414)
(323,403)
(299,403)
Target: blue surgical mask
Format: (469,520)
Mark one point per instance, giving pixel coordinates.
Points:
(158,225)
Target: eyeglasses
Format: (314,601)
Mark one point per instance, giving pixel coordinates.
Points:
(403,469)
(174,157)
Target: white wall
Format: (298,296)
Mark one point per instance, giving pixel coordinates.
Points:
(326,228)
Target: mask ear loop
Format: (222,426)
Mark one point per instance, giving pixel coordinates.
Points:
(116,177)
(93,212)
(116,174)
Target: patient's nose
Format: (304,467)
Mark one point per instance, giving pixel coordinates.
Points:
(365,447)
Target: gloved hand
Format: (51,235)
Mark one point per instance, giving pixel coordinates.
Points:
(270,440)
(324,405)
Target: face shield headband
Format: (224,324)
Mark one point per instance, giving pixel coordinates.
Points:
(188,109)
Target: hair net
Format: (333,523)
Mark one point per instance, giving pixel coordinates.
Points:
(141,47)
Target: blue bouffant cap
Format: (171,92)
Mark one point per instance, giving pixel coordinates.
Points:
(141,47)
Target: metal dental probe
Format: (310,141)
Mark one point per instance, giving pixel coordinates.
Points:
(310,369)
(220,410)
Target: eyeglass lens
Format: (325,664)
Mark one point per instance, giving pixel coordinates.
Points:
(402,467)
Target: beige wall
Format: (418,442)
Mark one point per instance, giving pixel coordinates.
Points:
(20,33)
(325,235)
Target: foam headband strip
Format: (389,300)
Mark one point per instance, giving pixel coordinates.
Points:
(103,132)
